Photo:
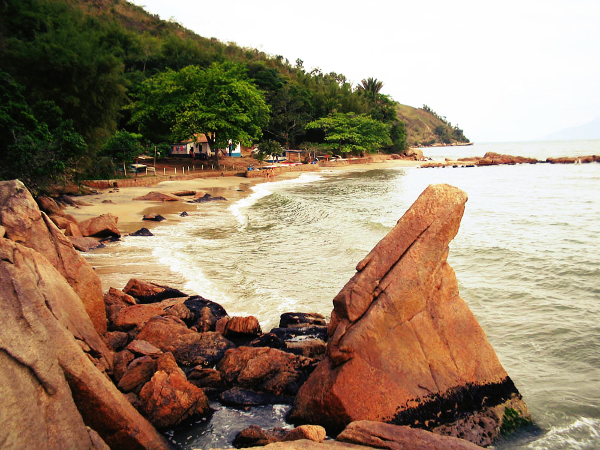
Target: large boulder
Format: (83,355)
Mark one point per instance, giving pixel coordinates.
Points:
(154,196)
(163,332)
(168,399)
(53,390)
(403,346)
(26,224)
(102,226)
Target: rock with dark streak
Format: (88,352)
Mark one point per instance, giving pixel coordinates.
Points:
(403,346)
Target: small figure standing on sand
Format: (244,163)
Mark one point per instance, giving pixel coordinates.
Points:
(192,154)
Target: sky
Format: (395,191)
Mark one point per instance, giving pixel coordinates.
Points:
(506,71)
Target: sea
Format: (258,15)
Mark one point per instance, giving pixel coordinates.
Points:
(527,260)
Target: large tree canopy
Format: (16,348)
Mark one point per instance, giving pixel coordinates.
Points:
(219,102)
(352,132)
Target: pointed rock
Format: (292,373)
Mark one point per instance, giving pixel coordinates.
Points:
(403,346)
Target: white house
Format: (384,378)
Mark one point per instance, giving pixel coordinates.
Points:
(201,148)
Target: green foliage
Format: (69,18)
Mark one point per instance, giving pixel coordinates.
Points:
(123,147)
(352,133)
(37,152)
(219,102)
(87,68)
(512,421)
(269,148)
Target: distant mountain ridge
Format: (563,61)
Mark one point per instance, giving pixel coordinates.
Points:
(590,130)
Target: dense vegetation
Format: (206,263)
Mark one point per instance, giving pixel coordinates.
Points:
(88,83)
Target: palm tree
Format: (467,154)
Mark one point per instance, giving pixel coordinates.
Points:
(370,87)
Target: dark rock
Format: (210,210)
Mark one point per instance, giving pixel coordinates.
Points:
(184,214)
(268,340)
(206,378)
(142,232)
(311,332)
(207,198)
(147,292)
(205,312)
(304,319)
(205,349)
(153,217)
(116,339)
(241,398)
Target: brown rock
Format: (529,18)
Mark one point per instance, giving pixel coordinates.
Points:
(403,346)
(48,382)
(393,437)
(147,292)
(72,229)
(163,332)
(139,371)
(184,193)
(116,339)
(167,363)
(49,206)
(158,197)
(24,223)
(102,226)
(242,326)
(114,301)
(254,436)
(85,244)
(265,370)
(314,433)
(61,221)
(206,378)
(135,316)
(121,361)
(204,349)
(168,399)
(143,348)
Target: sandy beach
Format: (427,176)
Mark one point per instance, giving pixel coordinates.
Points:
(121,203)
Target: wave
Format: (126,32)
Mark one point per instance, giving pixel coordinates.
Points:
(263,190)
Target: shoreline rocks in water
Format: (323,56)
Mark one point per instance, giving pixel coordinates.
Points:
(81,366)
(496,159)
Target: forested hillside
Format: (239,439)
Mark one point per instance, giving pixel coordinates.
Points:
(88,83)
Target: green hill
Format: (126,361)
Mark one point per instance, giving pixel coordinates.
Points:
(72,71)
(425,128)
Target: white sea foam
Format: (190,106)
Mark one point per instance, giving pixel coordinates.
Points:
(583,433)
(263,190)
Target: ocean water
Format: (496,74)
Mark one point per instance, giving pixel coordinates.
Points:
(527,259)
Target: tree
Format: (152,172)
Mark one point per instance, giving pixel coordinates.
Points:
(370,87)
(351,132)
(219,102)
(37,145)
(123,146)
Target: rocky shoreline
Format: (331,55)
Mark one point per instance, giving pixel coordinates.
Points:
(401,348)
(496,159)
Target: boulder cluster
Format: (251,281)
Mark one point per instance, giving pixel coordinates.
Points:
(401,364)
(496,159)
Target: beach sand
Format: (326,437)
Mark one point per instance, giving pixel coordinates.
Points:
(121,203)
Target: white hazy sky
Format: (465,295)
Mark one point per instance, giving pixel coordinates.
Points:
(503,71)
